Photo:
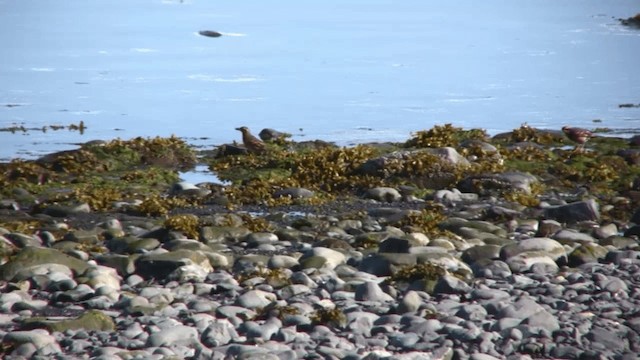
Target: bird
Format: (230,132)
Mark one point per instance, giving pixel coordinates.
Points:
(578,135)
(252,143)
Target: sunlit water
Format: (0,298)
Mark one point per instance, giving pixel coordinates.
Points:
(343,71)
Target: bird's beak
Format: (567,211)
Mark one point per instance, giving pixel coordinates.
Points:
(238,129)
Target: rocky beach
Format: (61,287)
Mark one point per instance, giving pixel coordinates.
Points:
(450,245)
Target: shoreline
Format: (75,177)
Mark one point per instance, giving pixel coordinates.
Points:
(451,245)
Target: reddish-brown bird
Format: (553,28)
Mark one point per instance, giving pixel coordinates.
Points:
(578,135)
(252,143)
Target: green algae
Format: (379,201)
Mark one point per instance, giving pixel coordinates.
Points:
(186,223)
(445,135)
(329,317)
(100,174)
(333,172)
(92,320)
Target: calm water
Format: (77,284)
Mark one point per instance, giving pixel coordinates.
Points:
(344,71)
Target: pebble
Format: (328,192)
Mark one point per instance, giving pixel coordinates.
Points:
(328,287)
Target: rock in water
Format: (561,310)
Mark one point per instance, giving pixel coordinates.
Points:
(209,33)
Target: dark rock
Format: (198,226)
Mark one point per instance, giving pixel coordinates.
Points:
(635,218)
(271,134)
(587,210)
(635,140)
(616,256)
(631,156)
(394,245)
(632,231)
(209,33)
(230,149)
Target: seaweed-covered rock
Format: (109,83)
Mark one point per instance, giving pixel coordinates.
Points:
(92,320)
(587,253)
(448,155)
(31,257)
(490,183)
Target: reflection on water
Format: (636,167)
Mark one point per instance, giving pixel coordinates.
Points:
(200,174)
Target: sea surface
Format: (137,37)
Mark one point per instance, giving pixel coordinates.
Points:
(343,71)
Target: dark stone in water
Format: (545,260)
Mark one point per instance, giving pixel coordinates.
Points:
(209,33)
(271,134)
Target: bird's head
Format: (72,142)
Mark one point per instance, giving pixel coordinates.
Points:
(243,129)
